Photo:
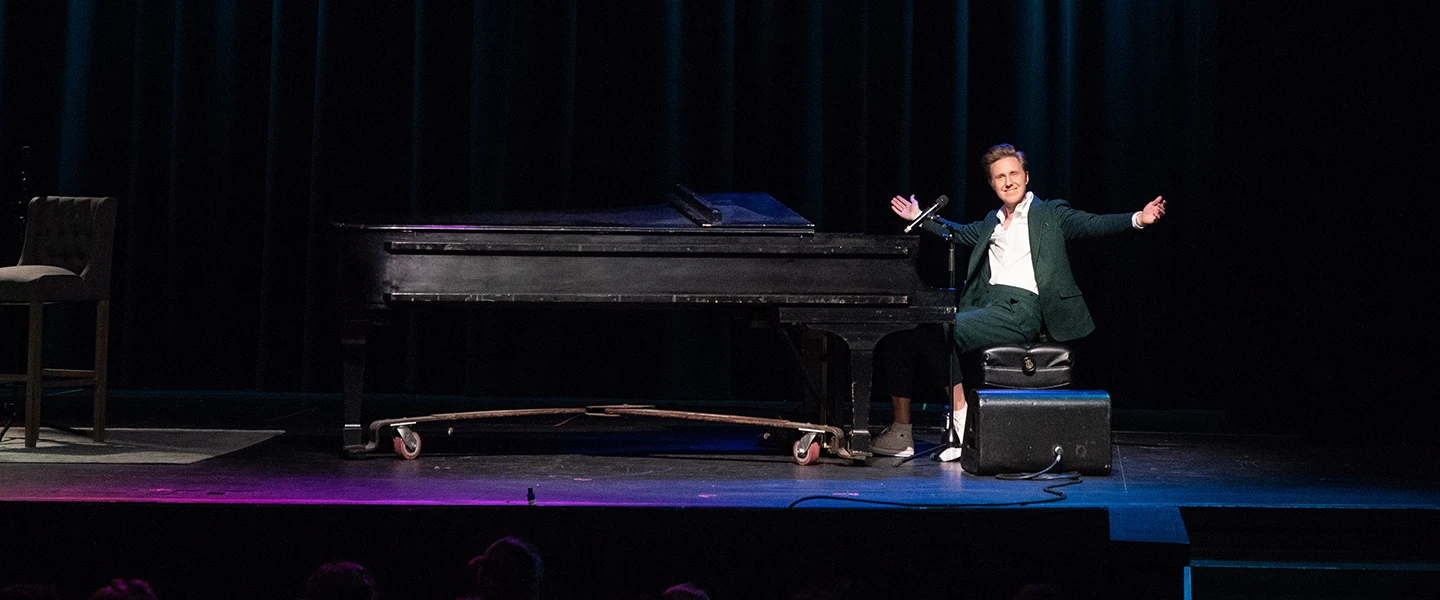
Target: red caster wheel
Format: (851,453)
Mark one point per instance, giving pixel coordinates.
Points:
(806,450)
(406,442)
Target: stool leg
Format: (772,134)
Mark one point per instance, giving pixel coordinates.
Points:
(32,375)
(102,362)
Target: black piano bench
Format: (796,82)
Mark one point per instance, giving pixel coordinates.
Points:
(1038,365)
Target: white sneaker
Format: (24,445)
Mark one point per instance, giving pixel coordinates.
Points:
(896,440)
(949,455)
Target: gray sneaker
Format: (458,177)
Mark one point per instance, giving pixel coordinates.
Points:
(896,440)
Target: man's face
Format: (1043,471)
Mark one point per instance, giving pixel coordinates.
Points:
(1008,180)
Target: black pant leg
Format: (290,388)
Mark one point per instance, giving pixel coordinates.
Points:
(914,363)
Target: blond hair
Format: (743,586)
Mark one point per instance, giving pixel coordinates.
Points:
(995,153)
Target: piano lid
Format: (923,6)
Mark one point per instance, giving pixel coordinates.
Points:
(684,212)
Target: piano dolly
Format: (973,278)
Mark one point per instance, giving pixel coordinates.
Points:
(407,443)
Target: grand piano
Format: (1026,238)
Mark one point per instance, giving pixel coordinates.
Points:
(743,252)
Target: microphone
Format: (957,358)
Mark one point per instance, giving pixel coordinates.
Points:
(939,202)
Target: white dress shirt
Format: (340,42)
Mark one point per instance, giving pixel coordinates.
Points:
(1010,262)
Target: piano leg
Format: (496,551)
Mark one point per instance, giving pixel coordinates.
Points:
(861,378)
(353,335)
(861,339)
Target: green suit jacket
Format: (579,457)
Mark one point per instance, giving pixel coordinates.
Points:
(1052,224)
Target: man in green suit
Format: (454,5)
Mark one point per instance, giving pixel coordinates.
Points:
(1017,277)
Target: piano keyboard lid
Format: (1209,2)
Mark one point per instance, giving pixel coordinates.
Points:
(684,212)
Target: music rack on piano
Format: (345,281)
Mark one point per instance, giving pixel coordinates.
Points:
(730,251)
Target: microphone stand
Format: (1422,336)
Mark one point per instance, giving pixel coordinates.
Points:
(952,437)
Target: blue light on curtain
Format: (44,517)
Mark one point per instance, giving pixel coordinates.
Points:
(3,143)
(674,105)
(1032,89)
(79,34)
(906,91)
(960,164)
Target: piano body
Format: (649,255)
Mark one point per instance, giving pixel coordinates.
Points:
(739,252)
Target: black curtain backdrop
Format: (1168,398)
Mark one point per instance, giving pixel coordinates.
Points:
(1292,142)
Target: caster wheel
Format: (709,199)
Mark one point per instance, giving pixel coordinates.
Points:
(407,443)
(806,450)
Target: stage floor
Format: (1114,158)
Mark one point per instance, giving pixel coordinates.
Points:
(1230,514)
(634,461)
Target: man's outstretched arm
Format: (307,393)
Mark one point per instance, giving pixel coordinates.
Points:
(909,209)
(1079,224)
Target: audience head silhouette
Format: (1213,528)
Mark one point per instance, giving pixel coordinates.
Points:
(1038,591)
(125,589)
(510,569)
(340,581)
(685,591)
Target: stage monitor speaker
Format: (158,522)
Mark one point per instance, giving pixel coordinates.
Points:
(1016,431)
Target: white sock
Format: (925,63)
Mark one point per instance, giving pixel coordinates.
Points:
(957,421)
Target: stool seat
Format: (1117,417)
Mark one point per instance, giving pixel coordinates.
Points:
(43,282)
(1034,366)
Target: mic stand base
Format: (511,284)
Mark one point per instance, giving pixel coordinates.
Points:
(952,440)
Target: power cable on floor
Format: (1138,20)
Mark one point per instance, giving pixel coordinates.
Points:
(1061,479)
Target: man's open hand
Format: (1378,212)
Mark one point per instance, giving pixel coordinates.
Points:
(1152,211)
(908,209)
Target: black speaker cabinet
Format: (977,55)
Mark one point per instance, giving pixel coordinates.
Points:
(1015,431)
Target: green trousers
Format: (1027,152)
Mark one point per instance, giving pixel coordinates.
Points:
(1006,315)
(917,363)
